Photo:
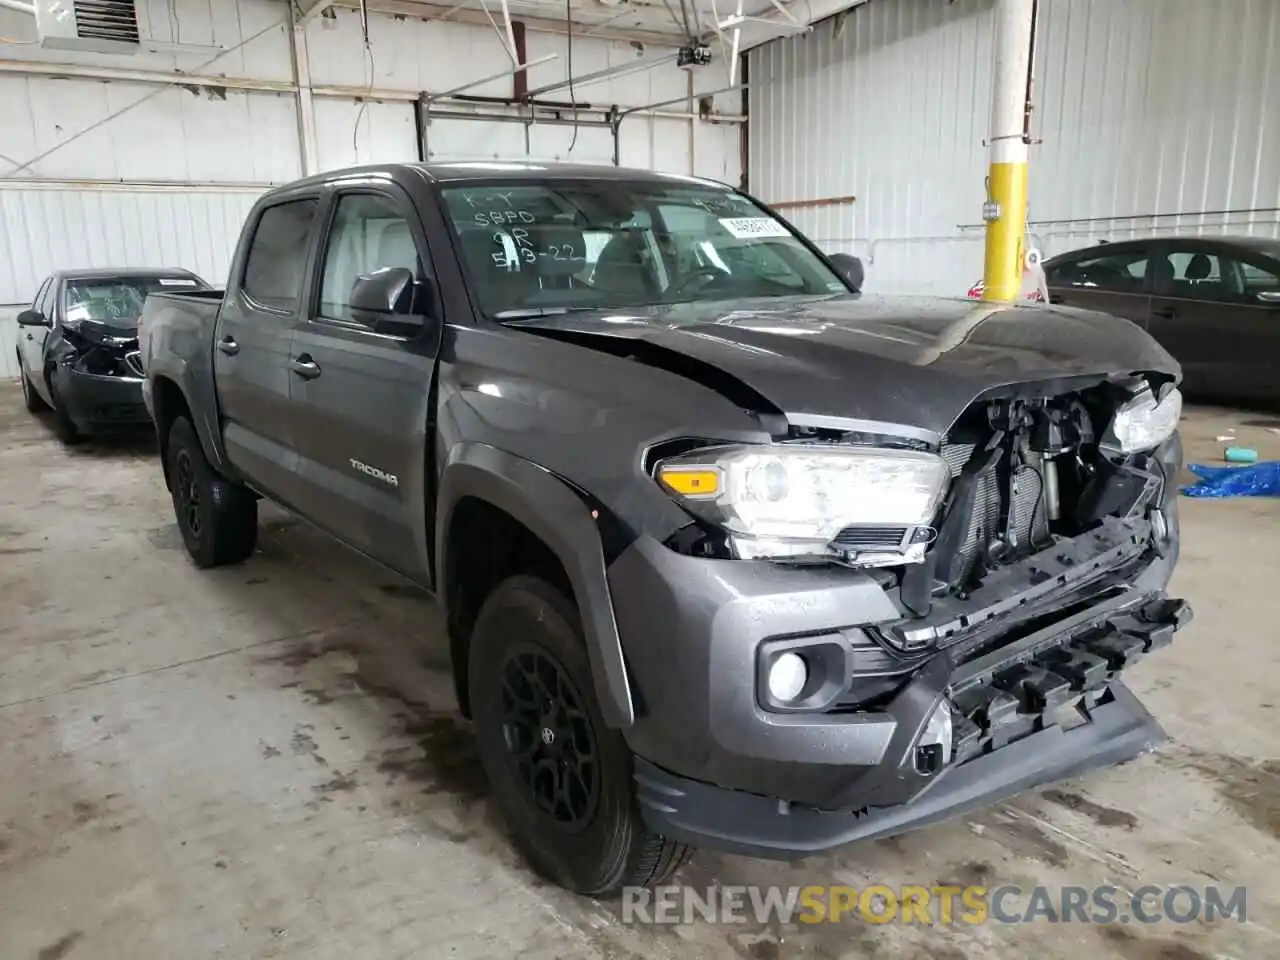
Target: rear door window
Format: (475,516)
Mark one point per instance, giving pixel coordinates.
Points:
(1121,272)
(277,257)
(1192,274)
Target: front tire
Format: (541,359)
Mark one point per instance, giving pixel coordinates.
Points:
(218,519)
(30,398)
(561,777)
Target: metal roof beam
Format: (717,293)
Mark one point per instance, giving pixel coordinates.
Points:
(304,10)
(476,17)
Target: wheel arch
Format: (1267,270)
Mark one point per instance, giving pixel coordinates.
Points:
(480,480)
(171,396)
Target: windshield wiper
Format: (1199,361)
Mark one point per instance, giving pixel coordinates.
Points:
(529,313)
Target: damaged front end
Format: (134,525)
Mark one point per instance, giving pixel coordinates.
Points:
(96,372)
(97,350)
(1033,567)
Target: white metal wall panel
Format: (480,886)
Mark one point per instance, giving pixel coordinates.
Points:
(457,139)
(436,56)
(406,54)
(350,132)
(9,341)
(50,229)
(171,133)
(238,38)
(554,142)
(1146,109)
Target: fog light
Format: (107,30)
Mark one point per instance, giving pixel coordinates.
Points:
(787,677)
(933,752)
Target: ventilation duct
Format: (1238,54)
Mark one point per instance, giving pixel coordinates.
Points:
(101,26)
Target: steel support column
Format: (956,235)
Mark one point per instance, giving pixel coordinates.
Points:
(1006,208)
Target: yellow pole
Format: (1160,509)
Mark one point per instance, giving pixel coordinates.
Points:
(1006,209)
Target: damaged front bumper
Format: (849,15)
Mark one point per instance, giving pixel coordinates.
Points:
(96,402)
(98,381)
(1028,683)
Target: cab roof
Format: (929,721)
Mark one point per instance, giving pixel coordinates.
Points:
(461,171)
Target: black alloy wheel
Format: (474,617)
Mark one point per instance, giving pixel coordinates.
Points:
(218,519)
(561,777)
(186,491)
(549,737)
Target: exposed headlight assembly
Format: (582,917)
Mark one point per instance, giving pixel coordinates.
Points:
(793,501)
(1144,422)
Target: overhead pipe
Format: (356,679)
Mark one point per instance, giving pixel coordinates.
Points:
(516,71)
(608,73)
(684,99)
(18,5)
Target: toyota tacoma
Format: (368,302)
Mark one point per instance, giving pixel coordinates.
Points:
(731,554)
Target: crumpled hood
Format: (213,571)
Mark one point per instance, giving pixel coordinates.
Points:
(908,361)
(119,332)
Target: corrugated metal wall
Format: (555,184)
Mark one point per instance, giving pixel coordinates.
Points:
(165,174)
(1155,116)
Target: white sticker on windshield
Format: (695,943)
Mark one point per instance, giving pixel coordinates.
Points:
(176,282)
(747,228)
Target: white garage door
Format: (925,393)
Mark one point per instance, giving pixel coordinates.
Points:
(47,229)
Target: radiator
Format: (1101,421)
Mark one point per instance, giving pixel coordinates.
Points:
(1030,521)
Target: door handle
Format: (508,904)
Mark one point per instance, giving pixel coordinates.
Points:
(1165,313)
(305,367)
(229,346)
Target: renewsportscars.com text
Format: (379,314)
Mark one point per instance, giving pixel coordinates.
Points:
(939,904)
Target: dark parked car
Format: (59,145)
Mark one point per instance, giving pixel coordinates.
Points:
(78,347)
(730,555)
(1212,302)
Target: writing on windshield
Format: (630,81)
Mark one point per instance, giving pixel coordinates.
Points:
(584,244)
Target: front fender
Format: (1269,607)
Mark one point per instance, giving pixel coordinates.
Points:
(555,513)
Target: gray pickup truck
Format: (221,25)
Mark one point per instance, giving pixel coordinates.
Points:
(732,555)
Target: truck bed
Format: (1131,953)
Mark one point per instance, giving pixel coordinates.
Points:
(181,319)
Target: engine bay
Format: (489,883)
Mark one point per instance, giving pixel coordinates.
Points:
(1027,474)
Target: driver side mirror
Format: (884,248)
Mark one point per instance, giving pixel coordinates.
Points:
(849,267)
(390,300)
(32,318)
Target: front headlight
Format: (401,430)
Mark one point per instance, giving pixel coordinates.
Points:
(795,500)
(1144,423)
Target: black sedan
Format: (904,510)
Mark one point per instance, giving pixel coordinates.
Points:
(78,347)
(1213,302)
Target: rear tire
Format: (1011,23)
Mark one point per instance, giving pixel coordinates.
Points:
(63,425)
(218,519)
(30,398)
(560,776)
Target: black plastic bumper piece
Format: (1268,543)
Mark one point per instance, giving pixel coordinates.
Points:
(98,402)
(1119,728)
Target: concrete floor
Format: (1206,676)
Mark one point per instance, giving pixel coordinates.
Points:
(263,761)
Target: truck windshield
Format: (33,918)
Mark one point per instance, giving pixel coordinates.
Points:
(540,247)
(118,300)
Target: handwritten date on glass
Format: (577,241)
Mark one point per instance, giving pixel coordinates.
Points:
(517,246)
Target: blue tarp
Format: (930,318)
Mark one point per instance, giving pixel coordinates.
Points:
(1255,480)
